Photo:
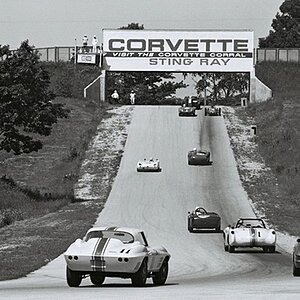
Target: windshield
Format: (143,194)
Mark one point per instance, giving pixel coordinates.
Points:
(250,223)
(124,237)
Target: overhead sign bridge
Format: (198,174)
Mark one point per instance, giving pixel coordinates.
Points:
(178,51)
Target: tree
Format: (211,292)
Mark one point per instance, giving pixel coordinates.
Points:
(286,27)
(221,87)
(150,87)
(26,108)
(133,26)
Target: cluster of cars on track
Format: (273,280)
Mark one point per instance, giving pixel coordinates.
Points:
(125,253)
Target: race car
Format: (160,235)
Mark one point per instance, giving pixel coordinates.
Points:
(296,258)
(193,101)
(199,157)
(115,252)
(249,233)
(212,111)
(187,111)
(196,102)
(200,219)
(148,165)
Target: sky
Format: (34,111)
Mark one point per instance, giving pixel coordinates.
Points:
(48,23)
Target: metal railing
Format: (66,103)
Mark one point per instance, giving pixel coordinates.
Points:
(278,55)
(57,54)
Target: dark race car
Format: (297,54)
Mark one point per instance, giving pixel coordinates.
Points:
(296,258)
(197,102)
(187,111)
(193,101)
(199,157)
(212,111)
(200,219)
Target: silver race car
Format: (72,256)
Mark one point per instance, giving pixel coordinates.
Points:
(148,165)
(187,111)
(115,252)
(249,233)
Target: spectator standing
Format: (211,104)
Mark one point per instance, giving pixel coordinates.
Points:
(132,97)
(115,97)
(85,43)
(95,44)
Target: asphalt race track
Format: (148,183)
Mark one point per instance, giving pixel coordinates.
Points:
(158,203)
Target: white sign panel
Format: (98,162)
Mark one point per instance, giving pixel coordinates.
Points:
(178,51)
(86,58)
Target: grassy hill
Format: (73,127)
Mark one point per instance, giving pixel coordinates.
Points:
(279,125)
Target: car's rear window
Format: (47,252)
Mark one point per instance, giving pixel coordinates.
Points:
(124,237)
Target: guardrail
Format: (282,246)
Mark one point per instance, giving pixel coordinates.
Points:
(57,54)
(278,55)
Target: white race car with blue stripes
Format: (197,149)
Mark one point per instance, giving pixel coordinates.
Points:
(249,233)
(115,252)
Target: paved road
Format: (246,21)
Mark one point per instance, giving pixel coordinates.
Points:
(158,203)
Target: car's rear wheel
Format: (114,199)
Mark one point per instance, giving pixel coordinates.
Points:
(74,278)
(296,271)
(272,249)
(231,249)
(97,279)
(160,277)
(140,277)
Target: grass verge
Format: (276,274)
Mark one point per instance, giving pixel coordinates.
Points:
(274,189)
(37,208)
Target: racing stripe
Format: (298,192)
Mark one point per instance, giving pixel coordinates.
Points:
(100,246)
(113,228)
(252,237)
(107,242)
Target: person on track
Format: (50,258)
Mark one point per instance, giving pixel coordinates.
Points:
(132,97)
